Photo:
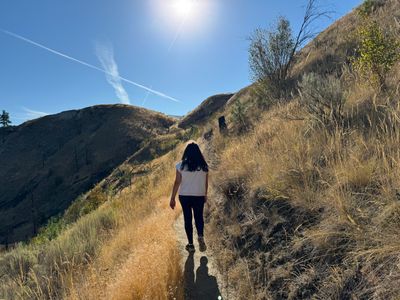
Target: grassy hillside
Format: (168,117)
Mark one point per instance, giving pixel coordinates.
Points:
(203,112)
(124,249)
(302,206)
(46,163)
(106,237)
(308,210)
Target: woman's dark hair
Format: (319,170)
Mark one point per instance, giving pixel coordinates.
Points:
(193,159)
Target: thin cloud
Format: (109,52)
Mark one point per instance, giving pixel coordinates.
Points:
(33,114)
(105,54)
(17,36)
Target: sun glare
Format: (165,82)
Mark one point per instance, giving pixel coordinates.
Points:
(182,18)
(183,8)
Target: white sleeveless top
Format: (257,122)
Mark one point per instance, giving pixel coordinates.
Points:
(193,183)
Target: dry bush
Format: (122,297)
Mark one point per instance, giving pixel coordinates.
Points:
(323,98)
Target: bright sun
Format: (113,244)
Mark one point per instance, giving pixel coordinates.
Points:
(183,7)
(182,16)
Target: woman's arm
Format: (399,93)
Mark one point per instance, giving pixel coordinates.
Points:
(205,198)
(178,179)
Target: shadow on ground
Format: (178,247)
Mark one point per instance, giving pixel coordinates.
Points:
(203,286)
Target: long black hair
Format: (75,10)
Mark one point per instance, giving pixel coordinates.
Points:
(193,159)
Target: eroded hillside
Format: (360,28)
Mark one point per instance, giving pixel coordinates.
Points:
(46,163)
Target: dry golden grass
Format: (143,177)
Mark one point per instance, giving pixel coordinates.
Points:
(141,260)
(344,183)
(296,211)
(152,270)
(48,271)
(126,249)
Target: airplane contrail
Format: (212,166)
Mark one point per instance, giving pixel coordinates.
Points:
(145,98)
(17,36)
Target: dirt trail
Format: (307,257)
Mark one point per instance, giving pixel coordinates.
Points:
(202,280)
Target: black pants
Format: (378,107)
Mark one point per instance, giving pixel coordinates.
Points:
(195,203)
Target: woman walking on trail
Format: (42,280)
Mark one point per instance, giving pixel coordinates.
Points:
(192,181)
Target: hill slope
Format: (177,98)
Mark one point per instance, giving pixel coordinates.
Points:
(203,112)
(46,163)
(296,211)
(304,211)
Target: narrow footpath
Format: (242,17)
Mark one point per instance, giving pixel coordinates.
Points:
(202,280)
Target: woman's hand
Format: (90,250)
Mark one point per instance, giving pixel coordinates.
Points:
(178,179)
(172,203)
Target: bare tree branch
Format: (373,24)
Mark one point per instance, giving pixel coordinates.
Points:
(312,13)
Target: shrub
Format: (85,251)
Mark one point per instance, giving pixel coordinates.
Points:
(84,205)
(270,54)
(240,118)
(189,134)
(370,6)
(323,98)
(54,226)
(377,53)
(95,198)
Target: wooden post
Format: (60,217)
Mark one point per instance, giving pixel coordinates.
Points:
(222,125)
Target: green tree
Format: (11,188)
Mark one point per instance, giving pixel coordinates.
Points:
(377,53)
(272,52)
(5,119)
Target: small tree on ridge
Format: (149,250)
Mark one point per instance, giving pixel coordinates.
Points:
(5,119)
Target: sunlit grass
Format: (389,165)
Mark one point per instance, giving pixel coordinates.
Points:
(125,249)
(348,177)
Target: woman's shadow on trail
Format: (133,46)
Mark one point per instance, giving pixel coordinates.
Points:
(205,286)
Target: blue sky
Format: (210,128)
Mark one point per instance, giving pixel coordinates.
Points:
(174,52)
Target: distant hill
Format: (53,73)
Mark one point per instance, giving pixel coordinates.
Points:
(175,116)
(46,163)
(202,112)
